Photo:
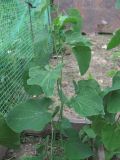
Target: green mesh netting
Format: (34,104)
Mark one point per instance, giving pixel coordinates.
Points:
(18,39)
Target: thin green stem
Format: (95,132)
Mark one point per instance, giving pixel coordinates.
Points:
(47,146)
(61,79)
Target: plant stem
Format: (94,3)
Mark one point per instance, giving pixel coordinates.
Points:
(52,139)
(101,153)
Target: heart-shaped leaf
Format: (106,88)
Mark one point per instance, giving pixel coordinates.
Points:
(87,102)
(31,115)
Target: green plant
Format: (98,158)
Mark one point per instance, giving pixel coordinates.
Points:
(117,5)
(90,101)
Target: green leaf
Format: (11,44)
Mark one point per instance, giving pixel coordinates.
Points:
(31,89)
(115,41)
(85,84)
(8,137)
(45,78)
(117,4)
(71,133)
(83,57)
(31,115)
(30,158)
(111,73)
(89,131)
(115,56)
(75,13)
(109,155)
(98,124)
(113,95)
(75,38)
(111,137)
(76,150)
(42,49)
(65,124)
(115,85)
(113,104)
(41,58)
(87,103)
(62,20)
(116,81)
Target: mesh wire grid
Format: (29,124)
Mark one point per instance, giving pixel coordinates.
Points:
(19,27)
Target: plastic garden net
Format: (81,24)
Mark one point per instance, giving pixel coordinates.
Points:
(21,29)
